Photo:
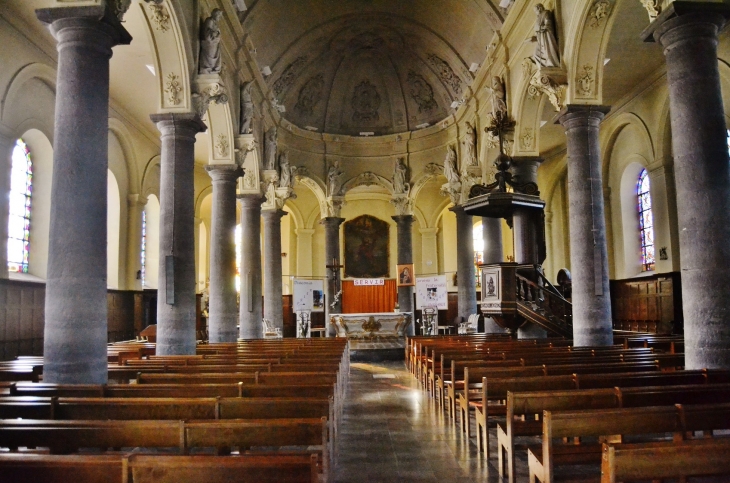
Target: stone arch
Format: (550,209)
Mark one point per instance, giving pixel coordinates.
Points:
(121,132)
(200,197)
(151,178)
(528,113)
(587,40)
(432,170)
(22,116)
(619,124)
(317,186)
(171,52)
(367,178)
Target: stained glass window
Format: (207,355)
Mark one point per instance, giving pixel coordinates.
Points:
(646,222)
(21,178)
(143,252)
(478,237)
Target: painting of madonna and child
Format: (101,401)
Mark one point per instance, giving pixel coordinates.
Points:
(366,248)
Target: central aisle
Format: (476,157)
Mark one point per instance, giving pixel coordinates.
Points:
(391,432)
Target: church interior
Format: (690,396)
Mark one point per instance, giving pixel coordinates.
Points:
(364,240)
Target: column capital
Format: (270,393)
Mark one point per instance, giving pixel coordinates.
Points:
(304,231)
(273,214)
(707,18)
(179,124)
(252,200)
(433,231)
(458,210)
(93,24)
(224,172)
(575,115)
(136,200)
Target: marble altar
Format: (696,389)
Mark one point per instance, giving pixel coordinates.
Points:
(358,326)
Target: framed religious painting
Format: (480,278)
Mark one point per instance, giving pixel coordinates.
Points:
(406,277)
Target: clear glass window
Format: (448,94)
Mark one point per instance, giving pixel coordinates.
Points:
(21,188)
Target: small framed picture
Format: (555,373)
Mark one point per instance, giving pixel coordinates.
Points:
(406,277)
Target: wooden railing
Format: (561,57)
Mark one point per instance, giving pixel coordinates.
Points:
(548,307)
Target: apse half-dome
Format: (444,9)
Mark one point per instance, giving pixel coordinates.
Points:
(377,74)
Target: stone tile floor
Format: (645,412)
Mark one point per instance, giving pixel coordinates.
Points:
(392,431)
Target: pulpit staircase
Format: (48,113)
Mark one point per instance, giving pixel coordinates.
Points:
(540,302)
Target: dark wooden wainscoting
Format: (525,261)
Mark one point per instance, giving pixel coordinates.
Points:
(648,304)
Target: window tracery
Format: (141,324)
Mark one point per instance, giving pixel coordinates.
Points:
(21,188)
(646,222)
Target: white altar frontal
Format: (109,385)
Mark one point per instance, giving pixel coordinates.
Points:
(370,326)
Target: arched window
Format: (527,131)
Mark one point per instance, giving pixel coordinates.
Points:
(19,220)
(646,222)
(477,234)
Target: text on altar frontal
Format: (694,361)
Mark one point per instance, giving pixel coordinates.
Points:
(369,281)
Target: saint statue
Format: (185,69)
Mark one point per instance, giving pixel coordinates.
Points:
(285,175)
(399,177)
(470,146)
(334,175)
(547,50)
(246,109)
(210,61)
(450,170)
(270,160)
(499,98)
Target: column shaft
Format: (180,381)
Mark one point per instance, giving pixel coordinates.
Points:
(176,279)
(592,323)
(465,263)
(223,315)
(688,33)
(273,304)
(331,252)
(250,266)
(405,255)
(492,234)
(76,301)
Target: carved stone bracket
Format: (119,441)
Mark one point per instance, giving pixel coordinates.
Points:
(403,204)
(653,8)
(208,88)
(275,195)
(332,206)
(551,81)
(244,145)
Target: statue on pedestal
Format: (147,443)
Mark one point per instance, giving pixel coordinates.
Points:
(547,51)
(400,185)
(246,109)
(271,142)
(334,177)
(470,146)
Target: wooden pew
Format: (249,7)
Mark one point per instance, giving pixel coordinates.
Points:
(614,424)
(157,469)
(652,461)
(524,407)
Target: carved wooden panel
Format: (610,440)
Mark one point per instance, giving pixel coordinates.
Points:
(650,304)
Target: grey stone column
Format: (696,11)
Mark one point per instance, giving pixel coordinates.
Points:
(592,323)
(465,263)
(251,303)
(6,151)
(688,34)
(223,314)
(273,304)
(405,255)
(331,252)
(176,279)
(76,303)
(492,235)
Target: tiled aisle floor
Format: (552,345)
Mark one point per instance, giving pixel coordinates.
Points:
(392,432)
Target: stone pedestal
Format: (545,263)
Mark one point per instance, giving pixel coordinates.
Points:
(6,151)
(251,304)
(331,252)
(76,302)
(465,263)
(405,256)
(176,280)
(688,33)
(273,304)
(592,324)
(223,314)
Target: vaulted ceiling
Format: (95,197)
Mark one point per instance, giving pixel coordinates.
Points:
(379,66)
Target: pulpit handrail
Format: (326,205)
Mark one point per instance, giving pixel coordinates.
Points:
(528,291)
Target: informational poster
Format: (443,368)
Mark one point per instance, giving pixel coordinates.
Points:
(308,295)
(431,292)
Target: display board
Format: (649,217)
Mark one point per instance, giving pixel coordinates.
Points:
(431,292)
(308,295)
